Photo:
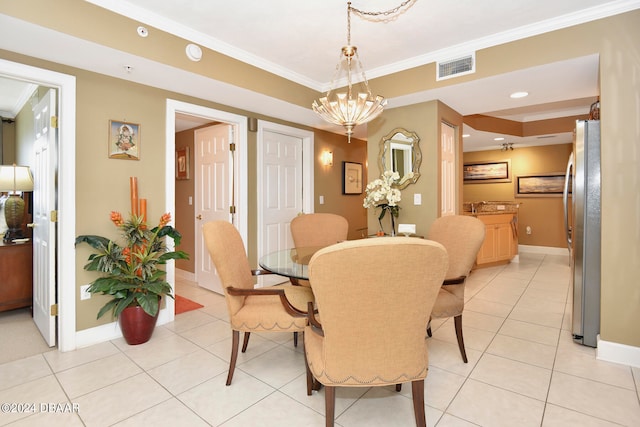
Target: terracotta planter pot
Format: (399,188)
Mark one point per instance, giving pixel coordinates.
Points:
(136,325)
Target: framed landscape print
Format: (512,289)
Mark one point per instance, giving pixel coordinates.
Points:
(124,140)
(541,185)
(487,172)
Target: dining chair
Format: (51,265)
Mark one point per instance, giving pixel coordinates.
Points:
(315,230)
(374,297)
(279,308)
(462,236)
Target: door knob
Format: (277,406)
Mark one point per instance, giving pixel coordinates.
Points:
(199,217)
(31,225)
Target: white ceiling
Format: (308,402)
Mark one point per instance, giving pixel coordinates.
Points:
(301,40)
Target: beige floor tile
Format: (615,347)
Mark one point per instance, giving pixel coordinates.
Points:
(596,399)
(257,346)
(188,371)
(487,405)
(61,361)
(488,307)
(380,406)
(530,332)
(216,403)
(523,351)
(476,339)
(555,416)
(171,413)
(539,316)
(518,377)
(23,370)
(440,387)
(208,333)
(277,410)
(189,320)
(573,361)
(43,390)
(558,295)
(449,420)
(158,351)
(446,356)
(275,367)
(18,328)
(94,375)
(481,321)
(503,294)
(120,401)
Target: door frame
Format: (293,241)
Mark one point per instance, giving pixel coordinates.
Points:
(66,175)
(241,161)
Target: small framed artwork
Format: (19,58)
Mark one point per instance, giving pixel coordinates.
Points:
(182,163)
(541,185)
(487,172)
(351,178)
(124,140)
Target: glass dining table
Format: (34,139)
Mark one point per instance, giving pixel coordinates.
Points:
(292,263)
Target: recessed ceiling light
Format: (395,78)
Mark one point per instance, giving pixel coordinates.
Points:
(516,95)
(498,139)
(466,135)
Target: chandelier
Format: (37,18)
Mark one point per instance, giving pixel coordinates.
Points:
(352,107)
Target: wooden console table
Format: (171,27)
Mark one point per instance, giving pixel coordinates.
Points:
(16,275)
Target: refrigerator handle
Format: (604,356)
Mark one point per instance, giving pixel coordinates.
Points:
(565,200)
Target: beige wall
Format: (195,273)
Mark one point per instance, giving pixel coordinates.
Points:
(99,99)
(543,214)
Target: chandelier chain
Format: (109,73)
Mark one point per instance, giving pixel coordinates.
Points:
(385,13)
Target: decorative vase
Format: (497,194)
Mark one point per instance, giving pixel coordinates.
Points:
(393,224)
(136,325)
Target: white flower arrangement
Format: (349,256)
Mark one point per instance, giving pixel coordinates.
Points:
(382,193)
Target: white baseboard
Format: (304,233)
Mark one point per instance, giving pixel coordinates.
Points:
(548,250)
(98,334)
(185,275)
(610,351)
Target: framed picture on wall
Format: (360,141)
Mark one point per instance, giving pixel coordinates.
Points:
(541,185)
(124,140)
(182,163)
(351,178)
(487,172)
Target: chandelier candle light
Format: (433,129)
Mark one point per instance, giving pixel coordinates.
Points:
(351,107)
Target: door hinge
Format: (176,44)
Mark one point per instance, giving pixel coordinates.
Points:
(232,146)
(232,209)
(54,122)
(54,309)
(54,216)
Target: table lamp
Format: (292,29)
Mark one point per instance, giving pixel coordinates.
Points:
(13,179)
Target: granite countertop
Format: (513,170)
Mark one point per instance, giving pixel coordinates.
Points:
(490,208)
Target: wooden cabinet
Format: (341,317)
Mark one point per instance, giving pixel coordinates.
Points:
(16,275)
(500,240)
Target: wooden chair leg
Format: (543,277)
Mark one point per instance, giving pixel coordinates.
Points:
(399,387)
(245,341)
(234,355)
(417,390)
(429,328)
(458,323)
(330,404)
(295,339)
(310,378)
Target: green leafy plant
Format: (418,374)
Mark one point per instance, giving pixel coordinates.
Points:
(132,273)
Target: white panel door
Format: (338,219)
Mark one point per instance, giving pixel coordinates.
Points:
(213,193)
(44,228)
(448,170)
(281,193)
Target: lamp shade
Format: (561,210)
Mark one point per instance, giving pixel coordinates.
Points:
(15,178)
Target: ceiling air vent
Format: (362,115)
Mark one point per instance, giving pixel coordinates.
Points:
(456,67)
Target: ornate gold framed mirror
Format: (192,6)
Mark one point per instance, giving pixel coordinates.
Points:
(400,152)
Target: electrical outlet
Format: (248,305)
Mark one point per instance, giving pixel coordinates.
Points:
(83,292)
(528,229)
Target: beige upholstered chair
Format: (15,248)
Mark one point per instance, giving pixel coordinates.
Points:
(317,230)
(374,297)
(462,236)
(275,309)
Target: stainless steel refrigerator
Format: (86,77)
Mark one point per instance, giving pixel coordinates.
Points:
(582,225)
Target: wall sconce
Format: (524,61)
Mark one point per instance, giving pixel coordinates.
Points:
(327,158)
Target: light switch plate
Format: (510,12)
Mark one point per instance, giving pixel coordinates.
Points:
(417,199)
